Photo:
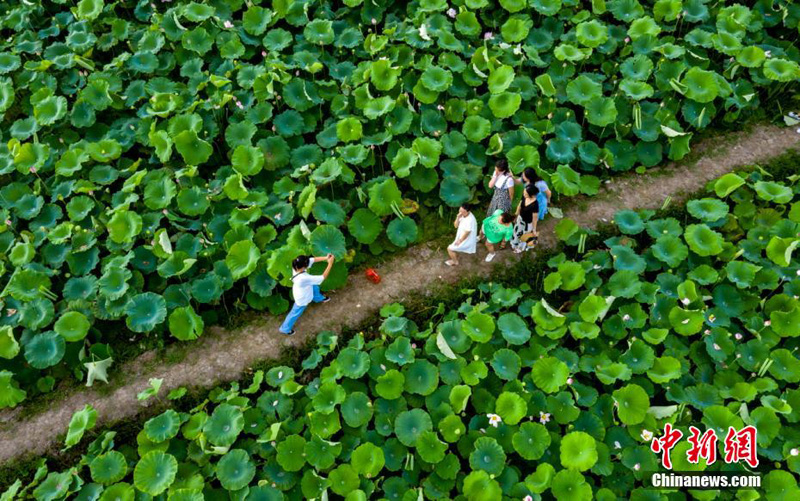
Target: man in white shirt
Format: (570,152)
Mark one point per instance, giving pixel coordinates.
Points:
(305,289)
(466,241)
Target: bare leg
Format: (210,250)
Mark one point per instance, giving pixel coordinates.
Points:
(489,247)
(453,256)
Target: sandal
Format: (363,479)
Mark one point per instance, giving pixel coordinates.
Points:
(450,262)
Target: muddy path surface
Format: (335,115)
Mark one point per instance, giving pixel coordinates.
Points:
(224,355)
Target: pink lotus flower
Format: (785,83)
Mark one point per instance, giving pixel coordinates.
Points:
(488,35)
(767,323)
(627,39)
(33,170)
(228,24)
(738,336)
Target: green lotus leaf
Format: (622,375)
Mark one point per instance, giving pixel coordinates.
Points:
(185,324)
(163,427)
(781,70)
(428,151)
(454,192)
(364,225)
(390,385)
(643,26)
(549,374)
(566,180)
(356,409)
(383,75)
(664,369)
(488,456)
(511,408)
(476,128)
(9,62)
(155,472)
(50,110)
(319,31)
(578,451)
(513,329)
(479,485)
(700,85)
(504,104)
(327,239)
(636,90)
(626,258)
(224,425)
(192,149)
(568,52)
(197,12)
(10,393)
(123,226)
(54,486)
(247,160)
(591,33)
(81,421)
(72,326)
(383,196)
(780,250)
(343,480)
(632,403)
(409,425)
(9,347)
(329,212)
(145,311)
(478,326)
(601,111)
(751,57)
(583,89)
(671,250)
(500,79)
(773,192)
(708,210)
(421,377)
(367,459)
(727,184)
(120,491)
(430,448)
(235,470)
(506,364)
(569,484)
(436,79)
(108,468)
(45,350)
(531,441)
(741,273)
(349,129)
(242,258)
(402,232)
(702,240)
(353,363)
(113,283)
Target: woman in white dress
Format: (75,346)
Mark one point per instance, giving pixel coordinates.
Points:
(466,241)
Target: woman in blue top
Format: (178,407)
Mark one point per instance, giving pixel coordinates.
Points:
(544,194)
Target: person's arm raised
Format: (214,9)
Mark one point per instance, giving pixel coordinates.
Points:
(330,265)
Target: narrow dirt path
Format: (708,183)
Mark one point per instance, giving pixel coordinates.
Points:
(225,355)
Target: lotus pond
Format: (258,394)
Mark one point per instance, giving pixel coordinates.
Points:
(159,158)
(552,390)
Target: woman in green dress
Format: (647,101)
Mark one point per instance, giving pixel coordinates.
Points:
(498,228)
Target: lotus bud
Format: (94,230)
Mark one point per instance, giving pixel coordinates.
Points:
(626,318)
(451,12)
(707,332)
(488,35)
(738,336)
(273,128)
(528,498)
(8,222)
(767,323)
(569,381)
(439,107)
(263,53)
(627,39)
(686,301)
(794,452)
(33,170)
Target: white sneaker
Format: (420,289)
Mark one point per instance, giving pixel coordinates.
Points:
(490,256)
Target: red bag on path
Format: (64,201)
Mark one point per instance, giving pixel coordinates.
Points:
(373,276)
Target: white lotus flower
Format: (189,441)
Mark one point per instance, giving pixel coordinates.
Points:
(494,420)
(738,336)
(794,452)
(647,435)
(767,323)
(637,466)
(451,12)
(228,24)
(423,32)
(617,445)
(544,417)
(716,347)
(685,301)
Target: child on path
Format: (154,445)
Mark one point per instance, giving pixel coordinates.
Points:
(497,228)
(305,289)
(466,236)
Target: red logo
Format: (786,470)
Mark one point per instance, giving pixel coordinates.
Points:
(739,445)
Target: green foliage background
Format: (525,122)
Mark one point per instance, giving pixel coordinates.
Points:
(158,157)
